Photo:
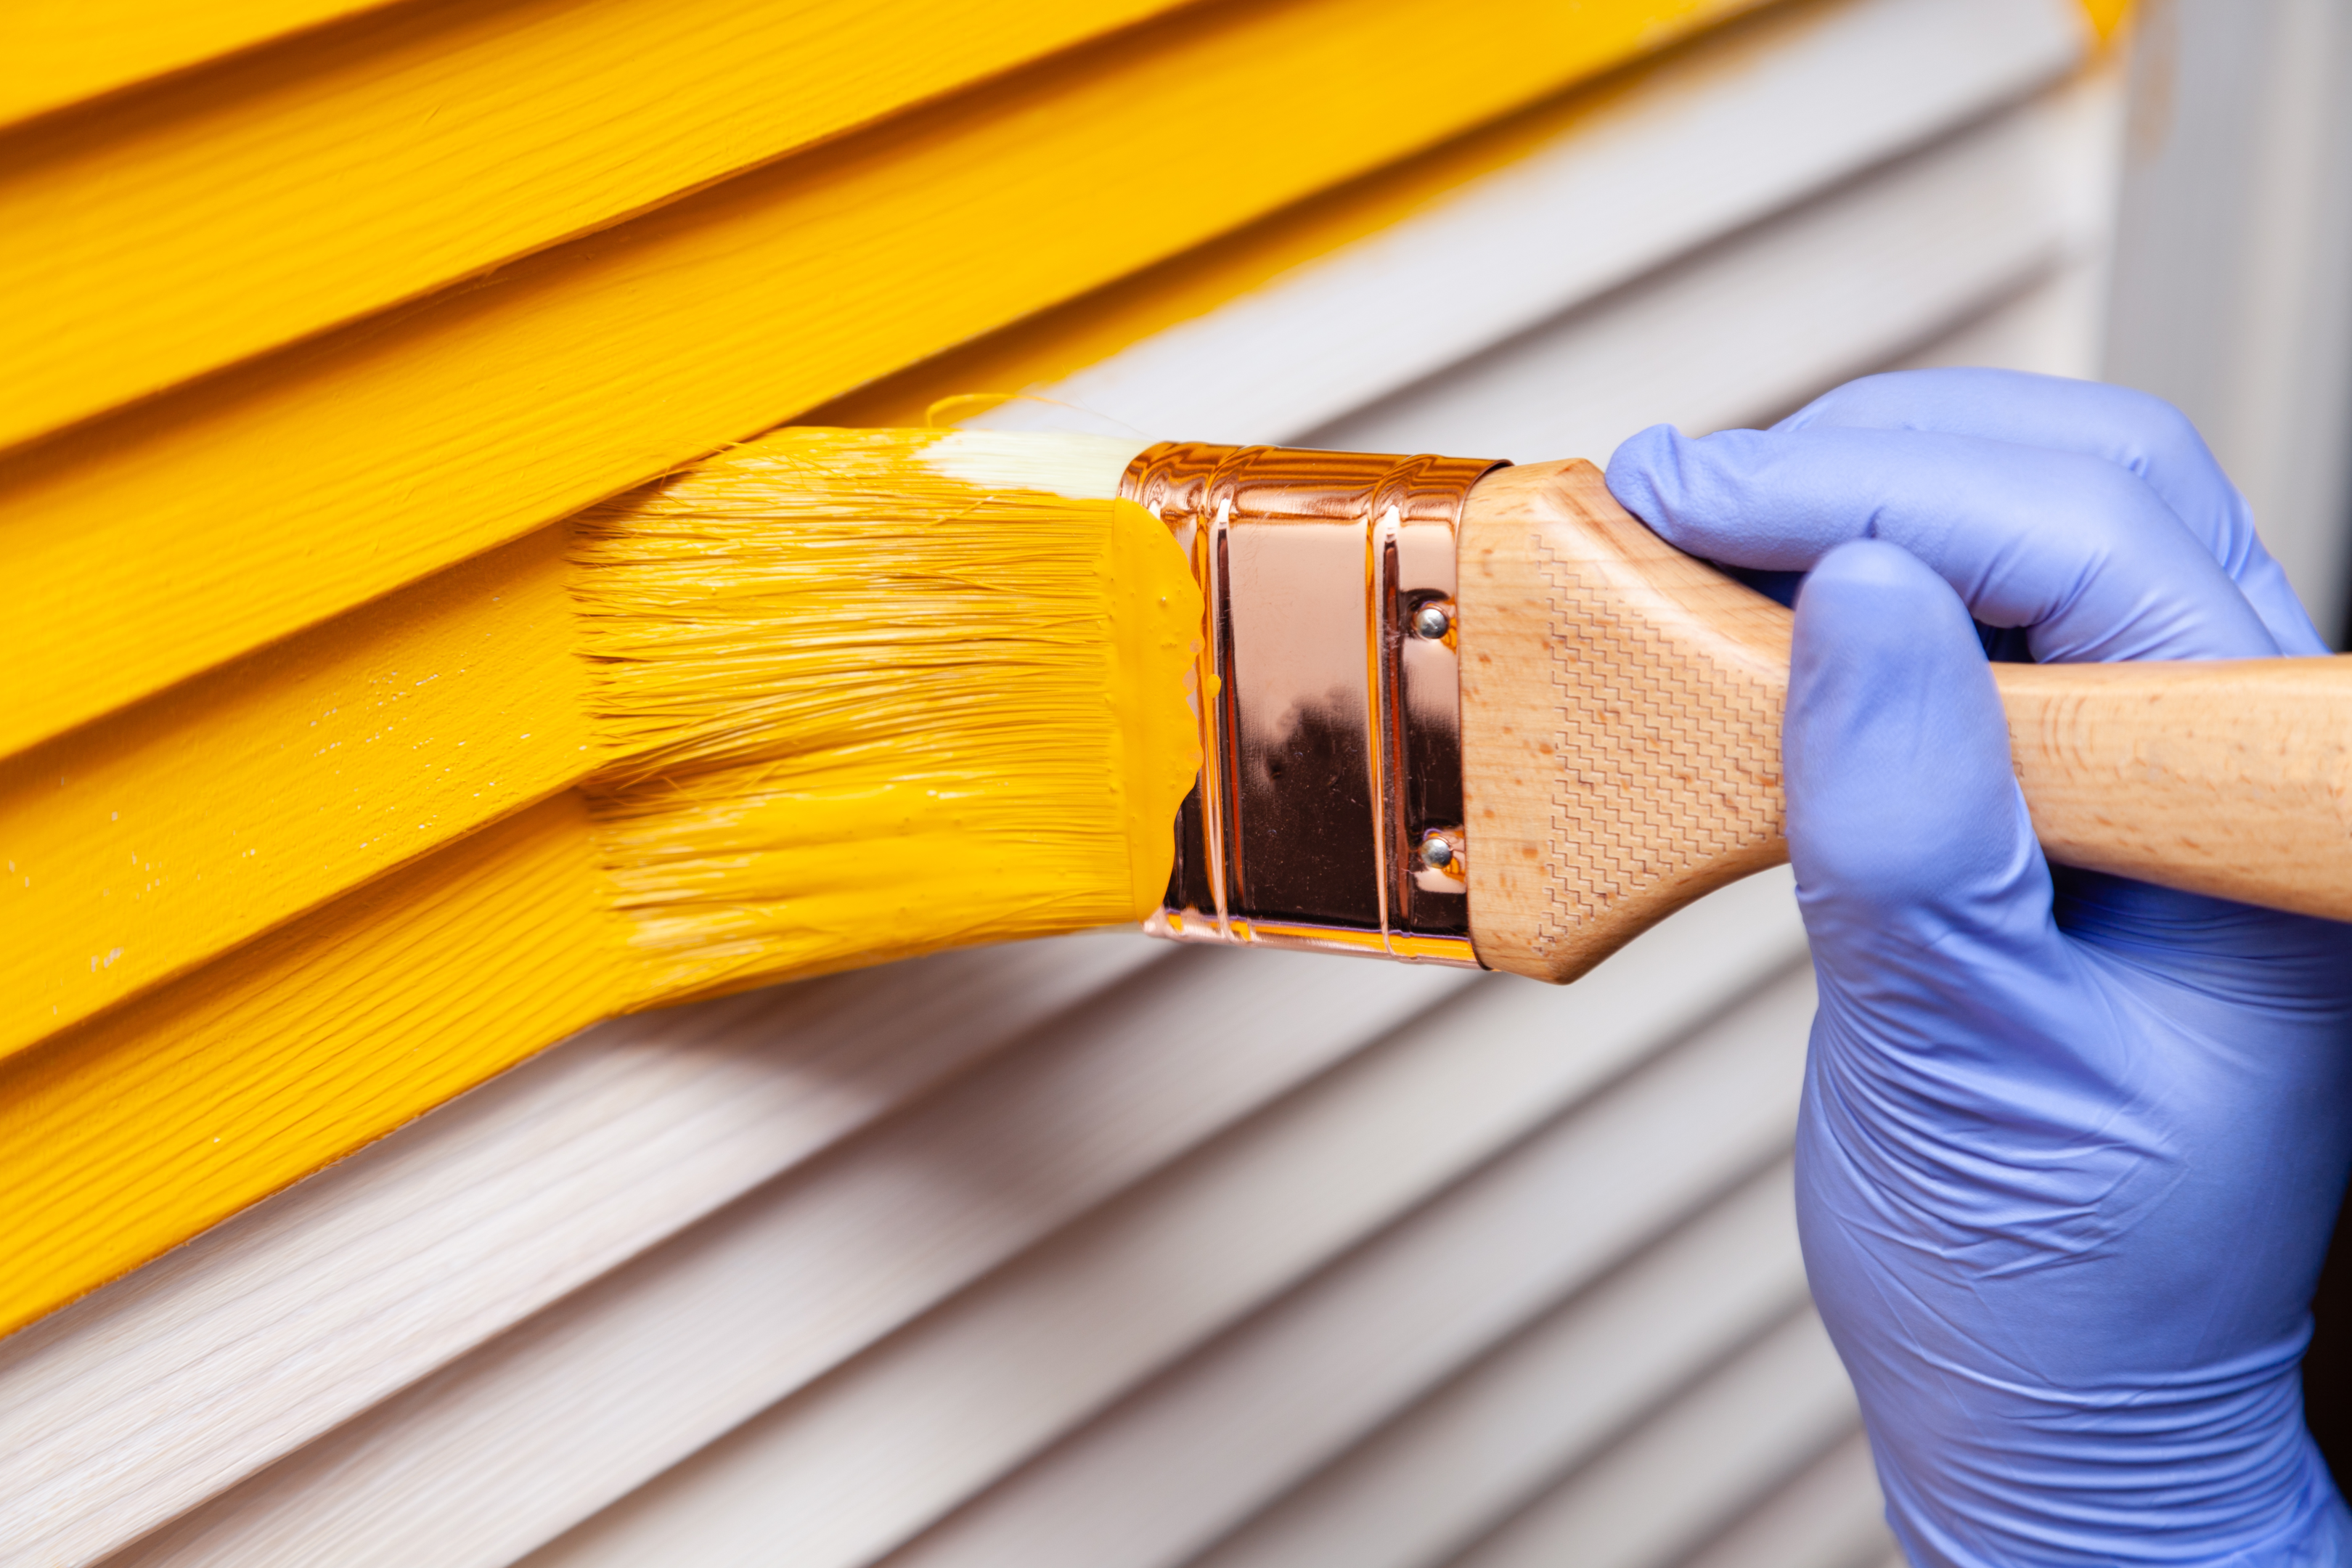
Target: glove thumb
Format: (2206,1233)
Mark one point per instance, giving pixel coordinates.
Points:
(1917,864)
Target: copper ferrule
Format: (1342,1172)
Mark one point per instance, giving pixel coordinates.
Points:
(1328,810)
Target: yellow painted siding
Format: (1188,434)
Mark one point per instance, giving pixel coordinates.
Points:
(385,703)
(217,828)
(256,609)
(59,52)
(185,533)
(131,1133)
(267,201)
(144,844)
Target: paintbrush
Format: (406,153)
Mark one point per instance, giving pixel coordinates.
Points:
(839,697)
(887,692)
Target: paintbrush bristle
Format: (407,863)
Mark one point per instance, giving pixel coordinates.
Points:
(884,692)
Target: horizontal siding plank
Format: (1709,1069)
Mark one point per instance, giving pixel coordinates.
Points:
(1176,1465)
(401,716)
(278,195)
(1477,1449)
(129,1134)
(853,1464)
(1707,1458)
(1831,1516)
(149,546)
(143,846)
(140,1401)
(58,52)
(2051,328)
(786,1283)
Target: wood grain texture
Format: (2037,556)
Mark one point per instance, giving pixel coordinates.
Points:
(1283,325)
(861,1460)
(144,547)
(140,1401)
(1729,128)
(586,1149)
(167,545)
(253,1394)
(1622,709)
(1740,333)
(2226,777)
(1621,721)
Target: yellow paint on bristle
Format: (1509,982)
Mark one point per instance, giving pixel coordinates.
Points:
(886,691)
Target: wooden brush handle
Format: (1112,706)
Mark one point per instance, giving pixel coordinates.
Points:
(1621,736)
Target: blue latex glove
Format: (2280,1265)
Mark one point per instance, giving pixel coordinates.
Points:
(2069,1155)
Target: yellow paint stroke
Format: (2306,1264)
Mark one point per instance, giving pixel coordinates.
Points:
(57,52)
(136,848)
(147,547)
(882,692)
(269,198)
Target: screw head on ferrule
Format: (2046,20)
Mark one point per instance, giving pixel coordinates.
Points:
(1330,738)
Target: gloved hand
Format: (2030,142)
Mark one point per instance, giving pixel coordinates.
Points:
(2071,1146)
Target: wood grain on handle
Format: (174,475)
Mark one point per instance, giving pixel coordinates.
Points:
(1621,732)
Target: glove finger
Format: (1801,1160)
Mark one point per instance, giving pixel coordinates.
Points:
(2142,435)
(1917,864)
(2045,1199)
(2069,546)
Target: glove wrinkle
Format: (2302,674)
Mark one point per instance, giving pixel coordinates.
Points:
(2071,547)
(2069,1147)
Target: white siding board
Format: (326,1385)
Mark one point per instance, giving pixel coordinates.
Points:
(853,1466)
(1152,1483)
(1757,324)
(1492,1439)
(1831,1516)
(1663,1489)
(2049,327)
(1727,132)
